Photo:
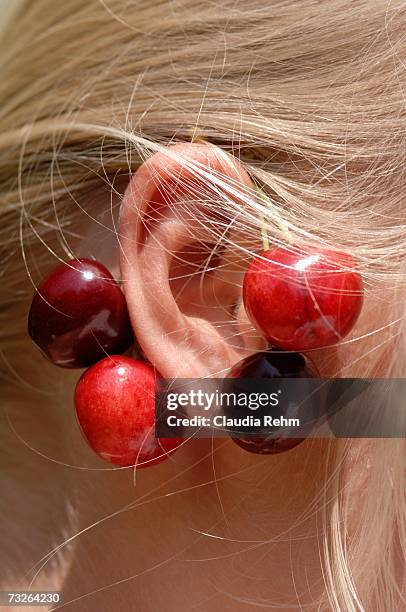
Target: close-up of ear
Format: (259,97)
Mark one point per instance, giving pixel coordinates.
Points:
(179,288)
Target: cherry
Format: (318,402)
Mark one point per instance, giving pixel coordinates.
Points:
(271,364)
(79,314)
(304,297)
(115,407)
(274,364)
(267,446)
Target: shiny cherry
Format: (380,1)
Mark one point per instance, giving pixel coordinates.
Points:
(302,298)
(79,314)
(271,364)
(115,407)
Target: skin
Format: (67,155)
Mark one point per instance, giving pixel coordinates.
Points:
(213,527)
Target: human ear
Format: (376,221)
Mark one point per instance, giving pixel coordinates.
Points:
(154,227)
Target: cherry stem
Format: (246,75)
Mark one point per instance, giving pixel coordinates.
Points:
(275,215)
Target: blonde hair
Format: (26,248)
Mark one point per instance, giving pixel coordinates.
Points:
(308,95)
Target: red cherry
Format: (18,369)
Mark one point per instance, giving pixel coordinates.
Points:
(304,297)
(115,407)
(270,364)
(79,314)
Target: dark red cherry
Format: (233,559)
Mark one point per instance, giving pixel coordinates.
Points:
(271,364)
(79,314)
(267,446)
(274,364)
(302,298)
(115,407)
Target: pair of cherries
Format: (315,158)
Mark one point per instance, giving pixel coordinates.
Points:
(298,298)
(79,318)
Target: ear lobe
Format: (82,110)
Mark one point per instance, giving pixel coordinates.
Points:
(178,345)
